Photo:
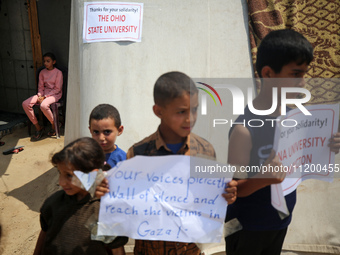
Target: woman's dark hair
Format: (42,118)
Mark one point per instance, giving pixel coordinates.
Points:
(84,154)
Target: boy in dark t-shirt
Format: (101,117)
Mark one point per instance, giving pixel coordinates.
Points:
(282,54)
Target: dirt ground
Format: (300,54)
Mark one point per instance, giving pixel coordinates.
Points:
(27,179)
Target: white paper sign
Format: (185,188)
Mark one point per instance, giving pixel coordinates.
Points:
(154,198)
(303,148)
(87,180)
(112,21)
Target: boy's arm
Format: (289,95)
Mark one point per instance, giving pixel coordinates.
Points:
(130,153)
(240,146)
(40,242)
(118,251)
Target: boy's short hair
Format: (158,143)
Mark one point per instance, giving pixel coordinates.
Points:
(172,85)
(103,111)
(84,154)
(281,47)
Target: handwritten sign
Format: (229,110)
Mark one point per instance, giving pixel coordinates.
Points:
(112,21)
(154,198)
(302,147)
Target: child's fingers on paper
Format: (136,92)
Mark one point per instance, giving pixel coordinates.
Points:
(229,197)
(104,183)
(232,183)
(230,190)
(334,143)
(100,191)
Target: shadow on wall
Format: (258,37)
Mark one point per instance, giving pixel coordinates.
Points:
(34,193)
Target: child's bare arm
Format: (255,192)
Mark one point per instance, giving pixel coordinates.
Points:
(40,242)
(240,146)
(334,143)
(118,251)
(261,180)
(102,188)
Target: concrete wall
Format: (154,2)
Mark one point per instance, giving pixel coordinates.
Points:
(16,66)
(199,38)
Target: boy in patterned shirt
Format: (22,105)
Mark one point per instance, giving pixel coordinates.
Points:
(176,103)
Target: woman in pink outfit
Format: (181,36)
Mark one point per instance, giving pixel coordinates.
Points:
(49,91)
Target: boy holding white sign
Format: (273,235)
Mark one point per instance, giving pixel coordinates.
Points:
(282,54)
(176,103)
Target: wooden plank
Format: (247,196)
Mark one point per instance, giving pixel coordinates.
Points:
(35,41)
(35,35)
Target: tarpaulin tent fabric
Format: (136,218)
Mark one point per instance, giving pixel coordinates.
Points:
(318,21)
